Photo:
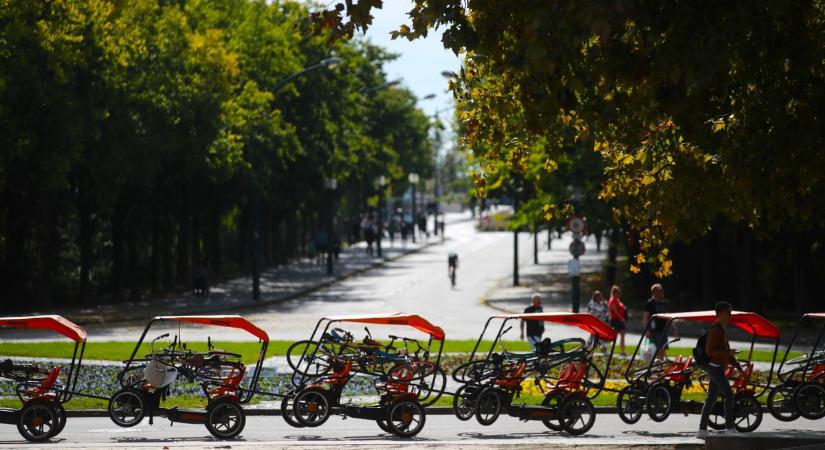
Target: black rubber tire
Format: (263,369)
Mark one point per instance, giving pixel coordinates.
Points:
(553,401)
(659,403)
(287,414)
(225,419)
(781,403)
(574,407)
(488,406)
(464,405)
(401,418)
(129,403)
(810,400)
(318,365)
(630,404)
(747,414)
(61,418)
(382,424)
(37,421)
(311,407)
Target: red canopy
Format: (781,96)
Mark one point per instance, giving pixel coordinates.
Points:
(55,323)
(750,322)
(815,315)
(233,321)
(411,320)
(585,321)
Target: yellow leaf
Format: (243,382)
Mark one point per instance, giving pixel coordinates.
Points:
(640,258)
(648,179)
(634,268)
(718,125)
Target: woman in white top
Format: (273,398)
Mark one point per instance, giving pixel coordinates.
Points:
(598,307)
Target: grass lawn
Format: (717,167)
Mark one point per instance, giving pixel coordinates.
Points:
(120,350)
(85,403)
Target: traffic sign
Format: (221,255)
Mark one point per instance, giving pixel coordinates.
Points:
(577,225)
(577,248)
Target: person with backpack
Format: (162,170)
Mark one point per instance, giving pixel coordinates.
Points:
(713,354)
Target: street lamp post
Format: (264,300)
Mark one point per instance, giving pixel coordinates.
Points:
(331,184)
(413,179)
(381,182)
(328,63)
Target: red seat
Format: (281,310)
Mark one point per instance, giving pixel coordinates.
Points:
(571,377)
(678,371)
(230,382)
(512,376)
(740,383)
(42,390)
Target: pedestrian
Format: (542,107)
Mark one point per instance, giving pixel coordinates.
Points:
(598,307)
(719,354)
(618,315)
(656,333)
(535,328)
(369,234)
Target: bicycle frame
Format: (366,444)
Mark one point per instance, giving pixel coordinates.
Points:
(402,319)
(224,321)
(808,362)
(62,326)
(584,321)
(752,323)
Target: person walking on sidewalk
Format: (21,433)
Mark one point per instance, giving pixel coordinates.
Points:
(598,307)
(717,349)
(618,315)
(656,305)
(535,328)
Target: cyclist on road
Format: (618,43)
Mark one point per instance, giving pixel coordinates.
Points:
(452,264)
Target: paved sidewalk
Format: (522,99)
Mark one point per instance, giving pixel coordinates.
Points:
(278,284)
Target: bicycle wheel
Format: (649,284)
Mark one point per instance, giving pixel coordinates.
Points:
(810,400)
(37,421)
(406,418)
(577,414)
(288,414)
(126,407)
(311,407)
(781,403)
(225,419)
(659,403)
(747,414)
(553,401)
(631,404)
(464,402)
(488,406)
(474,372)
(309,358)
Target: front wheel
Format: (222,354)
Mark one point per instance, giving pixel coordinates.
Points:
(488,406)
(61,418)
(464,402)
(631,403)
(659,403)
(37,421)
(406,418)
(748,414)
(577,414)
(781,403)
(126,407)
(311,407)
(810,400)
(225,419)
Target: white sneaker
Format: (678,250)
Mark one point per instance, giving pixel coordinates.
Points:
(731,431)
(702,434)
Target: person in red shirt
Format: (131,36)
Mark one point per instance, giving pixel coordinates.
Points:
(618,314)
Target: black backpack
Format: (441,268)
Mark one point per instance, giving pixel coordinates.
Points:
(700,356)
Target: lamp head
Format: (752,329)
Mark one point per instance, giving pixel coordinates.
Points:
(331,62)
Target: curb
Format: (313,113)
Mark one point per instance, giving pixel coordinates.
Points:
(287,297)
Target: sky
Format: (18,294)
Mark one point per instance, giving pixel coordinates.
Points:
(420,62)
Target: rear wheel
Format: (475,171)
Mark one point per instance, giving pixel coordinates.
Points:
(577,414)
(464,402)
(659,403)
(488,406)
(309,358)
(631,403)
(225,419)
(61,418)
(37,421)
(126,407)
(781,403)
(406,418)
(810,400)
(311,407)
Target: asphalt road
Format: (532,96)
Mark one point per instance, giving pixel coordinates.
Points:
(439,430)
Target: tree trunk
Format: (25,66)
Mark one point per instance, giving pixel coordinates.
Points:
(707,270)
(800,245)
(132,273)
(117,251)
(166,253)
(48,253)
(744,268)
(612,254)
(154,258)
(84,242)
(183,242)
